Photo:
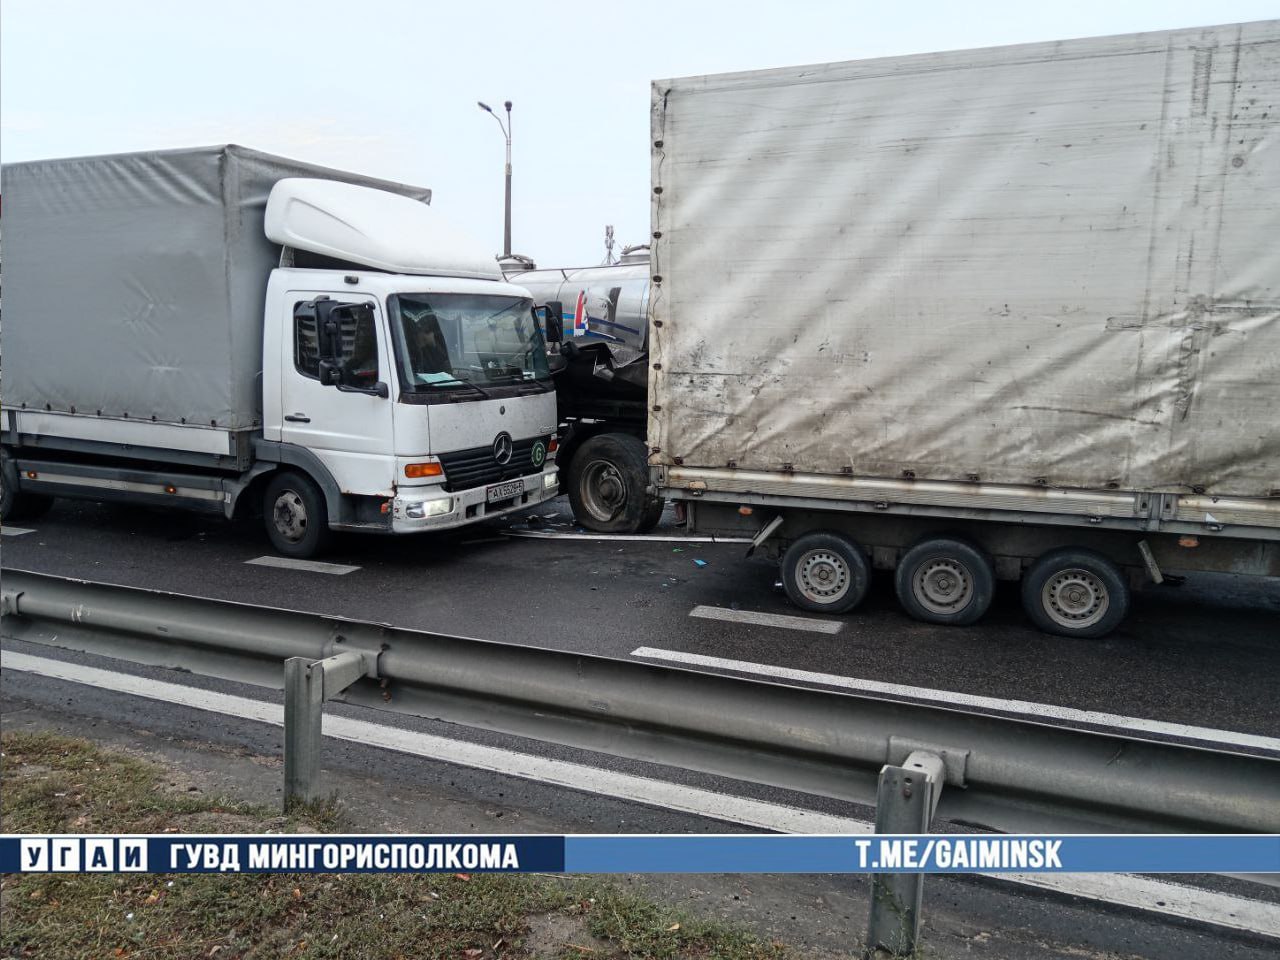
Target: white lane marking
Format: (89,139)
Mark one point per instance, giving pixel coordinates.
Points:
(556,535)
(1040,711)
(767,619)
(659,793)
(14,531)
(1153,896)
(311,566)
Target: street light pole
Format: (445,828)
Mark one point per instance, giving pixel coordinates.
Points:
(506,132)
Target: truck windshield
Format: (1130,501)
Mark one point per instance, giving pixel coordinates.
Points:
(447,341)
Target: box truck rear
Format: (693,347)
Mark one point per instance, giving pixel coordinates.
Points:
(1006,313)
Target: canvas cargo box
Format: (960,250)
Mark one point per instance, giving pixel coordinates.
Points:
(1055,264)
(134,284)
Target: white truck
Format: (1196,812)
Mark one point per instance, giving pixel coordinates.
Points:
(1009,313)
(223,330)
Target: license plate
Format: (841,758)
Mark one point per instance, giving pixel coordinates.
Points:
(504,491)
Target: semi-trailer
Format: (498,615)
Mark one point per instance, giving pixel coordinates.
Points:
(1000,314)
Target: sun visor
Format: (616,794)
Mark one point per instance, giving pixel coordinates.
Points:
(374,228)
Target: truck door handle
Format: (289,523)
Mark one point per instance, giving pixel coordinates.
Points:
(298,418)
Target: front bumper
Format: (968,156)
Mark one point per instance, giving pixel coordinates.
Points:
(466,506)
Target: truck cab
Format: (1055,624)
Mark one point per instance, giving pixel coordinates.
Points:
(421,386)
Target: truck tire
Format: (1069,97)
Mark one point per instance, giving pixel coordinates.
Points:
(825,572)
(608,476)
(14,503)
(652,514)
(293,510)
(945,580)
(1075,592)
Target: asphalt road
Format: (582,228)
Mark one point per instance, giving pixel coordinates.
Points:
(1204,653)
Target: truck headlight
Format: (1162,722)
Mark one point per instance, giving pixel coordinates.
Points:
(422,509)
(550,480)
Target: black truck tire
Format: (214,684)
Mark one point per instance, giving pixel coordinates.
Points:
(607,479)
(1075,592)
(825,572)
(945,580)
(14,503)
(294,513)
(652,514)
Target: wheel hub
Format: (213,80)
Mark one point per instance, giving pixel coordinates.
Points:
(1075,598)
(823,576)
(943,585)
(604,492)
(290,516)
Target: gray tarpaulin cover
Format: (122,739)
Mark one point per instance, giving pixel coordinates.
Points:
(1056,261)
(135,283)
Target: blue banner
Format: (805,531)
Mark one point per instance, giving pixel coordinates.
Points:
(928,853)
(642,853)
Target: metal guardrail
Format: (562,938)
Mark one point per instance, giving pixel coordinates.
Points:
(1004,774)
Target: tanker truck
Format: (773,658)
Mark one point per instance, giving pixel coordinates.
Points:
(598,335)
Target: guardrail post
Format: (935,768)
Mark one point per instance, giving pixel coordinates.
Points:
(303,708)
(905,802)
(307,684)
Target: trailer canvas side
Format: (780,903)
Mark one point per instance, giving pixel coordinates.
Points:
(1019,294)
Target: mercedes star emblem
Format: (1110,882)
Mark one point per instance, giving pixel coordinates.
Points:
(502,447)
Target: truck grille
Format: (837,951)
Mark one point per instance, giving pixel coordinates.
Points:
(464,469)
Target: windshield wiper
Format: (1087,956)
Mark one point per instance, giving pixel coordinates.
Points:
(508,378)
(450,384)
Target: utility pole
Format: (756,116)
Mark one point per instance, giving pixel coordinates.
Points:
(506,132)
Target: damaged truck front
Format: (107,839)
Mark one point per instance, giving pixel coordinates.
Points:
(1004,314)
(599,338)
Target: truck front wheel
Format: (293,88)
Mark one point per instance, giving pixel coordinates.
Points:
(608,476)
(1075,593)
(293,510)
(825,572)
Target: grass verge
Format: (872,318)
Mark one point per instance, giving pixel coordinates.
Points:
(54,784)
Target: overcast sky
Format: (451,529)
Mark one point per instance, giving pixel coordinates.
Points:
(389,87)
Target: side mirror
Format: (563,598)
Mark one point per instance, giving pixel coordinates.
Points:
(553,322)
(330,373)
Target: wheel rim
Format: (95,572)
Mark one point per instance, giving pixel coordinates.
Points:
(823,576)
(604,491)
(942,585)
(290,516)
(1075,598)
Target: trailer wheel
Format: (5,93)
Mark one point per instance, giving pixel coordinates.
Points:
(945,581)
(607,479)
(15,504)
(825,572)
(293,510)
(1075,593)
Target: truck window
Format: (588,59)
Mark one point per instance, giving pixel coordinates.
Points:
(360,351)
(447,340)
(306,340)
(359,348)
